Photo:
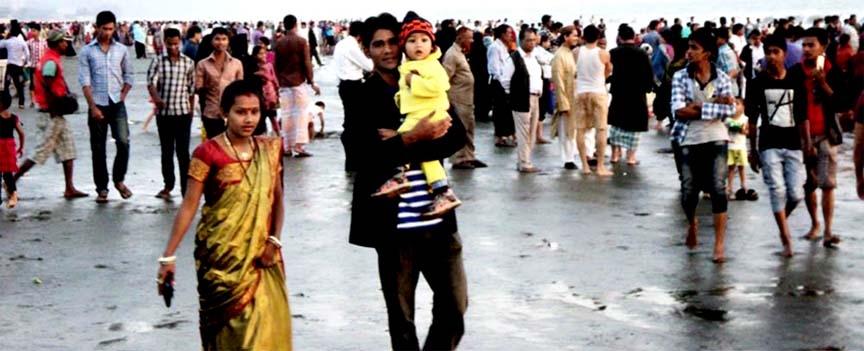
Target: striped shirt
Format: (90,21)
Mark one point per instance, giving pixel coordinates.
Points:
(174,82)
(415,202)
(105,73)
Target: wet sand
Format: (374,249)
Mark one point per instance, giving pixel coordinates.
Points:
(555,261)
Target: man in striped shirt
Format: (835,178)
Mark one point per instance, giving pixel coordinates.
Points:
(106,76)
(37,47)
(171,83)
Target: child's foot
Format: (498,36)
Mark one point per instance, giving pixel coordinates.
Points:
(394,186)
(442,204)
(13,200)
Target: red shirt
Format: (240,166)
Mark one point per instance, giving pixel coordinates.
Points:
(58,85)
(815,113)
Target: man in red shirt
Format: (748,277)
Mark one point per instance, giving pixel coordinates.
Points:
(821,81)
(49,85)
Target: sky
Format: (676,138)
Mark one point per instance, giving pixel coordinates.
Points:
(615,11)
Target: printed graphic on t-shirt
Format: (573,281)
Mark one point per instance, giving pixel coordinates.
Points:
(779,106)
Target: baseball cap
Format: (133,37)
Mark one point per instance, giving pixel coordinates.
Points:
(56,35)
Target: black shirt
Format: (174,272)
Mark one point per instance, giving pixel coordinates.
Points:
(7,126)
(782,106)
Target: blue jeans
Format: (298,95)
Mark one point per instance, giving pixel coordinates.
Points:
(704,168)
(115,118)
(783,172)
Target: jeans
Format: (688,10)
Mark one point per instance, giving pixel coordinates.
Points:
(174,136)
(438,256)
(115,118)
(704,168)
(783,172)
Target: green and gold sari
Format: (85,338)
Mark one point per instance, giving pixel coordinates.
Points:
(243,306)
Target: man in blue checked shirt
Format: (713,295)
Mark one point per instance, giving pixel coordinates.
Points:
(105,74)
(702,99)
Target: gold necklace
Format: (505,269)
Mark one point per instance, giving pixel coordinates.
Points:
(238,157)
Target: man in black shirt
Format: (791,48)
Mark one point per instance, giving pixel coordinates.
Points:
(406,247)
(780,100)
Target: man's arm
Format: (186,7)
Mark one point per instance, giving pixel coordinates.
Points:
(84,76)
(128,74)
(753,109)
(190,85)
(492,64)
(607,62)
(678,102)
(506,74)
(724,105)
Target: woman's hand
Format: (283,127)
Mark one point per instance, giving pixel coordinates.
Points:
(166,271)
(268,257)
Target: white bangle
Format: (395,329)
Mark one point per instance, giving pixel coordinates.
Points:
(167,260)
(275,241)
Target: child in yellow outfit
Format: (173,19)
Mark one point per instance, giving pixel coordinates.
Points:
(422,91)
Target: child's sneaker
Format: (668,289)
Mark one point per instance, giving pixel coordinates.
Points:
(394,186)
(13,200)
(443,203)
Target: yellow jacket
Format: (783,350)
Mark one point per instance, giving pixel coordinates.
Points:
(428,91)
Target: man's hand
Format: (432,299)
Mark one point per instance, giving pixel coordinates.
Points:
(755,161)
(316,89)
(810,150)
(427,129)
(96,113)
(160,104)
(383,133)
(725,100)
(123,95)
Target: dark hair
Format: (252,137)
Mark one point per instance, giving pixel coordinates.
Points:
(384,21)
(844,39)
(737,27)
(192,31)
(235,89)
(319,103)
(105,17)
(219,31)
(172,33)
(626,33)
(264,40)
(256,50)
(819,33)
(500,31)
(754,33)
(260,23)
(289,22)
(774,40)
(545,18)
(722,33)
(591,34)
(525,32)
(653,24)
(669,36)
(355,28)
(704,37)
(35,26)
(5,100)
(567,31)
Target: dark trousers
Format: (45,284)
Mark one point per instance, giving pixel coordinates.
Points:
(213,126)
(140,50)
(438,257)
(704,168)
(114,118)
(16,74)
(502,115)
(349,91)
(545,99)
(482,100)
(313,51)
(174,134)
(8,178)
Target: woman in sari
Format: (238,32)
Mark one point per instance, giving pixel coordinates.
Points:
(241,277)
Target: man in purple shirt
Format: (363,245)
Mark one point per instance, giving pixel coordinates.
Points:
(258,33)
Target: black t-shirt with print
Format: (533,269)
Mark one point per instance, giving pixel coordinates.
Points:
(781,105)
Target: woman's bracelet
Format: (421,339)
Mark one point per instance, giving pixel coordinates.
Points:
(275,241)
(167,260)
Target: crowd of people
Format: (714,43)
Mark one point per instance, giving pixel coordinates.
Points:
(773,97)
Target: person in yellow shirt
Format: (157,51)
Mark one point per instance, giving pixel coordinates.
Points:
(422,93)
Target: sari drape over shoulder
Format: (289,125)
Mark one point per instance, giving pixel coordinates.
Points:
(242,305)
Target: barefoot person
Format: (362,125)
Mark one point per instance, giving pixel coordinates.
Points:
(776,97)
(820,151)
(593,66)
(50,86)
(701,100)
(407,245)
(241,275)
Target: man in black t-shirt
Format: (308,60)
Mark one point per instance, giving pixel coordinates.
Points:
(780,100)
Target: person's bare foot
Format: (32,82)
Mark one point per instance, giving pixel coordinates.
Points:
(603,172)
(719,253)
(692,234)
(830,241)
(74,194)
(586,171)
(813,234)
(787,252)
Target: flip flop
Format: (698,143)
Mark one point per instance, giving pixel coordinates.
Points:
(125,193)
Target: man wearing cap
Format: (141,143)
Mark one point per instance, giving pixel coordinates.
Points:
(56,136)
(106,76)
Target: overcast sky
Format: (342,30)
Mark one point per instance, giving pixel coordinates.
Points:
(563,10)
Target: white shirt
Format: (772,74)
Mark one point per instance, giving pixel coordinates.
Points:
(758,55)
(18,53)
(592,71)
(545,59)
(535,73)
(853,36)
(304,33)
(350,60)
(496,56)
(738,42)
